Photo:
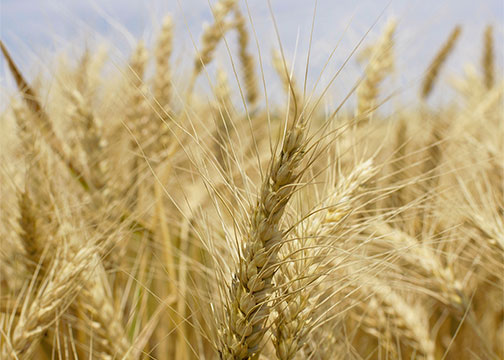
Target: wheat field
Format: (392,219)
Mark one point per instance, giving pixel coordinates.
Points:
(144,220)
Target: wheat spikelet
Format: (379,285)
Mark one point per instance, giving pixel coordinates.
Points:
(137,107)
(88,74)
(380,64)
(292,322)
(487,60)
(81,111)
(26,133)
(137,111)
(342,200)
(251,287)
(34,204)
(398,198)
(438,61)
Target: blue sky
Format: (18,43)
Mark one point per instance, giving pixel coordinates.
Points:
(35,30)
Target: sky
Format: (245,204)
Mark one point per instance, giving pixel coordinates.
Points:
(35,31)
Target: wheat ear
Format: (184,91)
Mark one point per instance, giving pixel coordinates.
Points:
(31,100)
(137,111)
(104,319)
(418,254)
(211,37)
(34,222)
(162,54)
(250,292)
(246,59)
(438,61)
(411,321)
(381,63)
(31,237)
(488,59)
(92,141)
(298,303)
(61,285)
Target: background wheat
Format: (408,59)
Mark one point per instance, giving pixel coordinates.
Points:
(143,220)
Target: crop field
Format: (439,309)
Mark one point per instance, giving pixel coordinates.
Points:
(208,218)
